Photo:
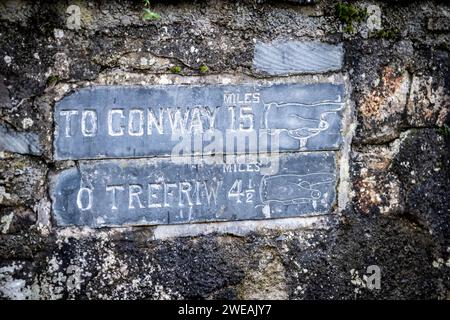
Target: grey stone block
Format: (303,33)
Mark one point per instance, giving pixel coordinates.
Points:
(294,57)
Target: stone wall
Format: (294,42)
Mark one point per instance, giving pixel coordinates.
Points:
(392,209)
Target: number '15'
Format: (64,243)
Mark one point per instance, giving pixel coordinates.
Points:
(246,118)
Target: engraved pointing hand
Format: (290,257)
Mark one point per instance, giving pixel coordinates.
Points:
(299,121)
(294,188)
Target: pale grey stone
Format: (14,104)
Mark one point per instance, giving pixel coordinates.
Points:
(439,23)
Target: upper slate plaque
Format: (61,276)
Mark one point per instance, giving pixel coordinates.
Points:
(131,122)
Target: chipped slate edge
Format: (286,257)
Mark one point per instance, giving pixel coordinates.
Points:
(19,142)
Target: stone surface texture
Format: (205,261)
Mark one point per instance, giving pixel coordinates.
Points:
(394,164)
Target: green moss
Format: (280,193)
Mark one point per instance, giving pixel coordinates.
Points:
(443,46)
(203,68)
(149,14)
(444,130)
(52,80)
(175,69)
(387,34)
(349,15)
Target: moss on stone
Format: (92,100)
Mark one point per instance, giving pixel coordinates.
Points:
(149,14)
(175,69)
(443,46)
(444,130)
(52,80)
(203,68)
(349,15)
(391,34)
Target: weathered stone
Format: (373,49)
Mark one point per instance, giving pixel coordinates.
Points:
(303,1)
(381,110)
(422,166)
(15,220)
(428,103)
(376,189)
(394,212)
(5,101)
(108,122)
(144,61)
(22,180)
(141,192)
(291,57)
(267,280)
(441,23)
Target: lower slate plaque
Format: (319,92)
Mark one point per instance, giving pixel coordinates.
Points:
(158,191)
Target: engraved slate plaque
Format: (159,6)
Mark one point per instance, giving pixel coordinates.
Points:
(132,122)
(151,191)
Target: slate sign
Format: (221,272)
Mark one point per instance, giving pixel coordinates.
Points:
(133,122)
(161,154)
(159,191)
